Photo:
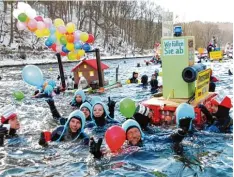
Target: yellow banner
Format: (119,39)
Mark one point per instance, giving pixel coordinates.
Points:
(216,55)
(200,50)
(202,85)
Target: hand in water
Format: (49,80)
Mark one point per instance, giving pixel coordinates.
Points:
(94,147)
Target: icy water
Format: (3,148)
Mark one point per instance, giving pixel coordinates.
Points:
(206,155)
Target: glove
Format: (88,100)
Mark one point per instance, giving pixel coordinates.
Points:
(3,132)
(42,140)
(178,148)
(111,104)
(94,148)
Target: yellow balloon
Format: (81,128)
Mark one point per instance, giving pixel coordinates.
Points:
(81,52)
(58,22)
(128,81)
(72,56)
(39,33)
(70,46)
(84,36)
(160,73)
(58,35)
(70,27)
(46,32)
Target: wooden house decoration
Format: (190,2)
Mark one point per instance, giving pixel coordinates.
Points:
(88,69)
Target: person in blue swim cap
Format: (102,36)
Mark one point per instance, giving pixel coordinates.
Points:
(134,137)
(78,98)
(184,118)
(73,130)
(100,115)
(85,108)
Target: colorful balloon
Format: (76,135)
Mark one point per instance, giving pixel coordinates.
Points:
(84,36)
(58,22)
(63,40)
(39,33)
(32,23)
(115,137)
(86,47)
(31,13)
(70,46)
(59,48)
(70,27)
(127,107)
(48,43)
(16,12)
(21,26)
(39,19)
(48,22)
(64,49)
(78,45)
(77,35)
(81,52)
(72,56)
(52,29)
(90,39)
(46,32)
(40,25)
(32,75)
(22,17)
(62,29)
(63,53)
(53,47)
(70,38)
(18,95)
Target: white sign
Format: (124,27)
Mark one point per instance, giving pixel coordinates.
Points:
(167,24)
(173,47)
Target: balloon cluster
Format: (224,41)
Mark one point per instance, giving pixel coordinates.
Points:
(60,38)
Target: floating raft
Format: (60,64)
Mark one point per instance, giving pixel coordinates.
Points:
(164,110)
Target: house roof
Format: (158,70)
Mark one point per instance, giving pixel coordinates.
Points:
(92,63)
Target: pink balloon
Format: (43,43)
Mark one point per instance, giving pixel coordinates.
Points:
(62,29)
(39,18)
(48,22)
(21,26)
(59,48)
(40,25)
(32,24)
(77,35)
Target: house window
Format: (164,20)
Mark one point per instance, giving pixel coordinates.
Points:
(80,74)
(85,66)
(91,73)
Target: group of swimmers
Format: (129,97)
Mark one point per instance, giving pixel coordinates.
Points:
(95,113)
(144,81)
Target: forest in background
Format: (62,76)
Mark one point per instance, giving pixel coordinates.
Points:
(118,26)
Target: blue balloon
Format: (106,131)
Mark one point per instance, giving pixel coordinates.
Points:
(32,75)
(86,47)
(48,43)
(52,83)
(52,29)
(78,45)
(64,49)
(52,38)
(48,90)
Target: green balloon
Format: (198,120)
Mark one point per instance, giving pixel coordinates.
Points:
(63,40)
(22,17)
(127,107)
(18,95)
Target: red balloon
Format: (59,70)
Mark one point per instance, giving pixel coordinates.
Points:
(53,47)
(63,54)
(90,39)
(115,137)
(39,18)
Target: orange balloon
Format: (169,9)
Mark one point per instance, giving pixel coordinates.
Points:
(70,38)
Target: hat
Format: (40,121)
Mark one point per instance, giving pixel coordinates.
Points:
(184,111)
(8,112)
(130,123)
(77,114)
(86,105)
(220,100)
